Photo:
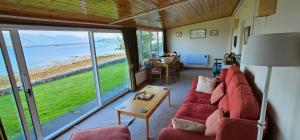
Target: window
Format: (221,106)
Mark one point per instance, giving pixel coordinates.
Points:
(112,64)
(61,77)
(59,66)
(150,45)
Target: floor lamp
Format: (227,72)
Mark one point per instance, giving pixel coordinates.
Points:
(271,50)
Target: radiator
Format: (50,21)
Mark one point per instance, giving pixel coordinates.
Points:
(196,59)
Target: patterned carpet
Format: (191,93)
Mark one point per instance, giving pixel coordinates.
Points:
(159,119)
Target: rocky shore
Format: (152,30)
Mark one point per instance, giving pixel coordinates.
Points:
(61,70)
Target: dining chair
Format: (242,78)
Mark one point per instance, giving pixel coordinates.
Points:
(156,69)
(178,65)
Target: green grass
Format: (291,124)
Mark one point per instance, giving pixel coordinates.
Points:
(58,97)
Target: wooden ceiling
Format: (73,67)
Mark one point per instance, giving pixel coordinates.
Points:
(115,13)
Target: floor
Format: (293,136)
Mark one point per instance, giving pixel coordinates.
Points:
(107,116)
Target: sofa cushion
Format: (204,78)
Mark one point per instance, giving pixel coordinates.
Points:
(224,104)
(107,133)
(206,84)
(176,134)
(243,104)
(194,84)
(194,110)
(236,79)
(232,70)
(223,74)
(217,94)
(213,122)
(188,125)
(197,97)
(187,118)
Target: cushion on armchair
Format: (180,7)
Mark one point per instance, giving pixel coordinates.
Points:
(106,133)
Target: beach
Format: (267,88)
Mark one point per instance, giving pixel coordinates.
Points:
(61,68)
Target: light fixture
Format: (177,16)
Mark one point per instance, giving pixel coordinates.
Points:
(271,50)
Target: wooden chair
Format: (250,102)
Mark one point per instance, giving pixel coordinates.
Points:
(175,68)
(178,65)
(173,71)
(156,70)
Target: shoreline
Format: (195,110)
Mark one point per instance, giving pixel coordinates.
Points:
(72,66)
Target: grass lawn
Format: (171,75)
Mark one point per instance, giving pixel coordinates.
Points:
(58,97)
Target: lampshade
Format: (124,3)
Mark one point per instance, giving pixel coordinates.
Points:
(279,50)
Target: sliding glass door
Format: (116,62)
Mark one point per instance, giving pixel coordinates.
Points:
(12,100)
(112,64)
(60,71)
(57,78)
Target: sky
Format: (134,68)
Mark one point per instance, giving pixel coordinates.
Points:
(81,34)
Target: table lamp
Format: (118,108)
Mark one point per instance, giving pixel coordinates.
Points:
(271,50)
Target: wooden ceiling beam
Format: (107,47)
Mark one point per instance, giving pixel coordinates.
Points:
(152,11)
(54,20)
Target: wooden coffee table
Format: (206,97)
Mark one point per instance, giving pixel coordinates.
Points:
(133,107)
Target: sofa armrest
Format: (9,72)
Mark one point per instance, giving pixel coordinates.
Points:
(170,133)
(237,129)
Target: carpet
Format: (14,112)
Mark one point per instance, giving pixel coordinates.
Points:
(107,116)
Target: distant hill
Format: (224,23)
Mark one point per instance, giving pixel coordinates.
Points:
(39,40)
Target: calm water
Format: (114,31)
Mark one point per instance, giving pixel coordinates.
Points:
(37,57)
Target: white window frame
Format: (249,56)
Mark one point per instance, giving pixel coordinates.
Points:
(140,42)
(31,102)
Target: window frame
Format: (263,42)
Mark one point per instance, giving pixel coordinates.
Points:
(16,27)
(141,47)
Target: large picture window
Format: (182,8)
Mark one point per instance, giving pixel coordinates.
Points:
(61,76)
(150,45)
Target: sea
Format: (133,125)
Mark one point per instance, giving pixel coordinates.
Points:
(45,56)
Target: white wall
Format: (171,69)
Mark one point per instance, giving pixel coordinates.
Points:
(214,46)
(284,94)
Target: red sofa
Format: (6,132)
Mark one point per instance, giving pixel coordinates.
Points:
(240,106)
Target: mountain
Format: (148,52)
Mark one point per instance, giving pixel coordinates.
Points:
(39,40)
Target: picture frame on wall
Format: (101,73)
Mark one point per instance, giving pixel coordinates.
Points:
(234,41)
(178,34)
(213,32)
(198,33)
(247,31)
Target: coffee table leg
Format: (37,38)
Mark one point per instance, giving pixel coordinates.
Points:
(147,128)
(119,118)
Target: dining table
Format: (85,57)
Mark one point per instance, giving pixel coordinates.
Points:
(166,62)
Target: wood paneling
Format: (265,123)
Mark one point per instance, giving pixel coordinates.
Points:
(119,13)
(266,7)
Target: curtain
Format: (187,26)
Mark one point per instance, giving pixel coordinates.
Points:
(166,50)
(131,47)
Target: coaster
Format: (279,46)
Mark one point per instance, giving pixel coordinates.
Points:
(143,110)
(122,107)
